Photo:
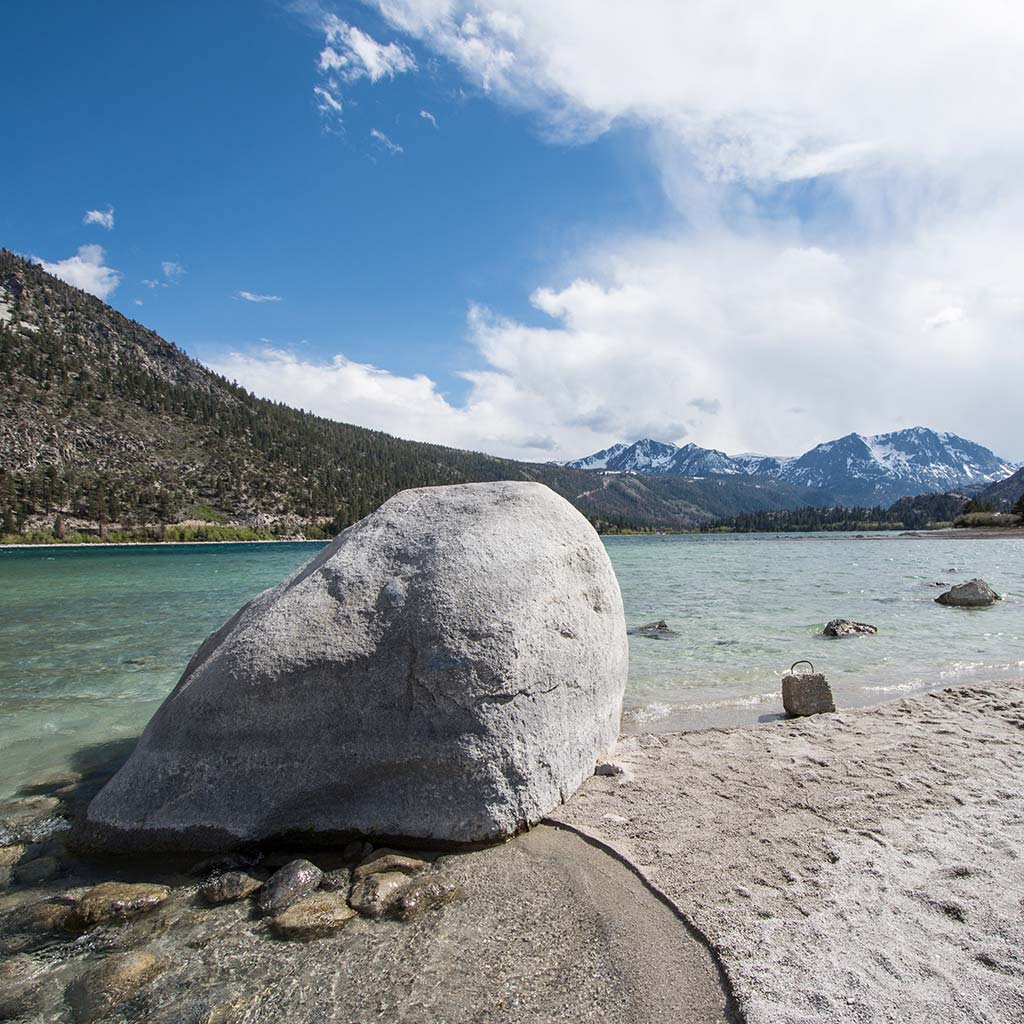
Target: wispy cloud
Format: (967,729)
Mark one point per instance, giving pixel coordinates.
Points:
(428,116)
(104,218)
(391,147)
(350,54)
(86,270)
(172,269)
(257,297)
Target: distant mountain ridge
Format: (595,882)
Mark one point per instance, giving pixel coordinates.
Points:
(106,425)
(855,470)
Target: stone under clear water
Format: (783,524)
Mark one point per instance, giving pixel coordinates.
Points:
(92,639)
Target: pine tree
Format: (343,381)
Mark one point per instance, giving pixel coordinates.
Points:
(1018,507)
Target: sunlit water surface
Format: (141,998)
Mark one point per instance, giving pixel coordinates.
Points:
(91,640)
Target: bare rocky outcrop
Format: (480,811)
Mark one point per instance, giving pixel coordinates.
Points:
(448,669)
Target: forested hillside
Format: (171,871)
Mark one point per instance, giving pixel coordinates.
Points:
(107,426)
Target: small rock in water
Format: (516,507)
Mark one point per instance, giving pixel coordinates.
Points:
(35,872)
(844,627)
(373,895)
(287,886)
(313,917)
(655,630)
(389,860)
(340,879)
(421,895)
(230,886)
(117,901)
(974,594)
(806,694)
(111,983)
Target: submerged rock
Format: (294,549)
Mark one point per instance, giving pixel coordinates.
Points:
(117,901)
(373,895)
(338,880)
(314,917)
(287,886)
(659,630)
(806,694)
(421,895)
(35,872)
(111,983)
(388,860)
(447,669)
(229,887)
(844,627)
(974,594)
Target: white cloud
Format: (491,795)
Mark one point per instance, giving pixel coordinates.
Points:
(391,147)
(775,91)
(104,218)
(740,344)
(349,54)
(944,317)
(428,116)
(257,297)
(172,270)
(86,270)
(327,102)
(137,302)
(850,181)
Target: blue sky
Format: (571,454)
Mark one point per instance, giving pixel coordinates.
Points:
(696,222)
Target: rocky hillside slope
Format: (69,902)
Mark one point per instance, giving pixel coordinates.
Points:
(106,423)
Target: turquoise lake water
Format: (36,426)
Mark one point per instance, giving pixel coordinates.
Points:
(91,639)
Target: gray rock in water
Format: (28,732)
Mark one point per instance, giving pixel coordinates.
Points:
(653,630)
(974,594)
(806,694)
(287,886)
(229,887)
(844,627)
(374,895)
(447,669)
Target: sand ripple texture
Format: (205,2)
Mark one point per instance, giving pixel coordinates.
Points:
(863,866)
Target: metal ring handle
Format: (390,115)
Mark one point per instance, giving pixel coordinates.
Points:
(802,662)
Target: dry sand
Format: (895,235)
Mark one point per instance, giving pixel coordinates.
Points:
(861,866)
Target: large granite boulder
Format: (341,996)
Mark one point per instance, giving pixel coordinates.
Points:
(973,594)
(447,670)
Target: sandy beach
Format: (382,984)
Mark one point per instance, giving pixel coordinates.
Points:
(862,866)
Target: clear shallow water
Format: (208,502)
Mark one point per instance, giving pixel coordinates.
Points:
(91,640)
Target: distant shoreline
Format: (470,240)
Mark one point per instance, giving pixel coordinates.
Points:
(981,533)
(153,544)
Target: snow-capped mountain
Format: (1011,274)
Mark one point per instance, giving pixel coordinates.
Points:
(854,470)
